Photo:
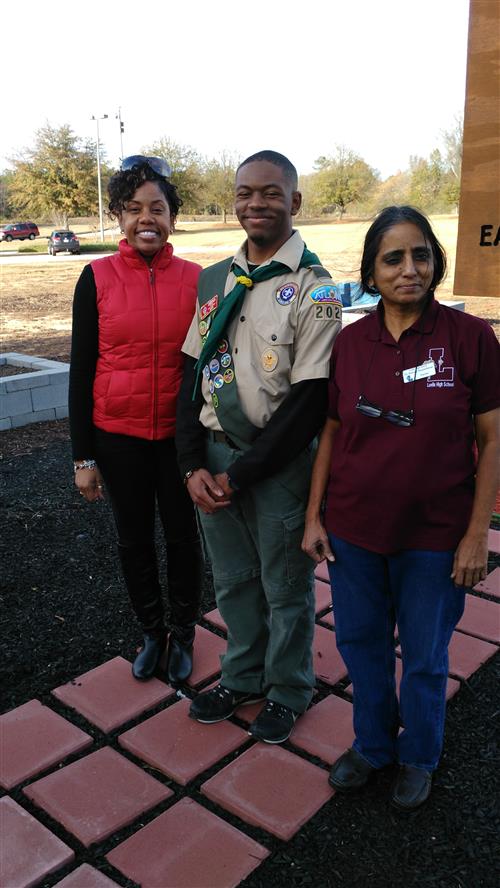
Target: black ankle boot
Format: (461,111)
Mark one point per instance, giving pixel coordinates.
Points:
(146,662)
(180,655)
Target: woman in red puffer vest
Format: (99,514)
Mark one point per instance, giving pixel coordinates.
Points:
(131,313)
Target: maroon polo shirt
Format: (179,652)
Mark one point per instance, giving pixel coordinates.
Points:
(397,488)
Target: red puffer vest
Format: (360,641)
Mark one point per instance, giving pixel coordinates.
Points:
(144,314)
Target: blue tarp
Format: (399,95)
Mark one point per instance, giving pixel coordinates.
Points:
(350,293)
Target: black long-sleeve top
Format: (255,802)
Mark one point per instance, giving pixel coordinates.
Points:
(84,353)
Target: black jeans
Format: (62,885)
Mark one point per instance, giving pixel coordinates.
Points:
(140,474)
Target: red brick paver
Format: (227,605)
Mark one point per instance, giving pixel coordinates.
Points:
(188,847)
(491,585)
(97,795)
(328,664)
(325,730)
(179,746)
(270,788)
(109,695)
(33,738)
(481,618)
(86,877)
(322,594)
(28,851)
(207,650)
(494,541)
(214,617)
(466,654)
(321,571)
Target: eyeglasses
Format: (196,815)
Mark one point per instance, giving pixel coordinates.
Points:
(157,164)
(397,417)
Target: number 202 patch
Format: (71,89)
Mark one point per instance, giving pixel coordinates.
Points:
(327,312)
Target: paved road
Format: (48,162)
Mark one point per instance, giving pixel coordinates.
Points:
(14,258)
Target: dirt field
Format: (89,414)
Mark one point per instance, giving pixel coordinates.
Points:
(36,297)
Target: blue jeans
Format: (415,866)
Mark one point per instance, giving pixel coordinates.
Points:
(371,595)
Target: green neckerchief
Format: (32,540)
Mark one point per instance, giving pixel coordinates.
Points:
(233,301)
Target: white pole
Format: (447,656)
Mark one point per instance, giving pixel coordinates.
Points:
(99,182)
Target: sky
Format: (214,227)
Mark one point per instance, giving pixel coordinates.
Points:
(384,78)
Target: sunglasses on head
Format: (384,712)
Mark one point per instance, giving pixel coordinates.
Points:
(157,164)
(397,417)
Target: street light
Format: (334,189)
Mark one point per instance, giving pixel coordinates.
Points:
(97,119)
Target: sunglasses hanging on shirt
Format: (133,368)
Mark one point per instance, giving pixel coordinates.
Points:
(402,418)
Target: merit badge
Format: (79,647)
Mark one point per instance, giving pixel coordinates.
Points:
(225,360)
(214,365)
(223,346)
(208,307)
(218,381)
(211,387)
(228,375)
(206,371)
(215,401)
(203,328)
(286,294)
(269,360)
(324,293)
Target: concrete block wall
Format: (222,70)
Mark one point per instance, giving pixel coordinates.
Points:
(38,395)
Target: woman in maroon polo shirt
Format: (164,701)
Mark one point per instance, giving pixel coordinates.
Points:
(413,387)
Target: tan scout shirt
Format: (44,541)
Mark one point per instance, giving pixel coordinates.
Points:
(273,345)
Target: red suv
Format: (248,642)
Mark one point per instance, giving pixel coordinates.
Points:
(19,231)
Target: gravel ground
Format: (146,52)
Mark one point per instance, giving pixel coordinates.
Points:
(65,611)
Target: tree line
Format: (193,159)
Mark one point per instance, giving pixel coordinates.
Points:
(56,179)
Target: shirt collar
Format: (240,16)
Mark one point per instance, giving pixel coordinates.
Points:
(290,253)
(424,324)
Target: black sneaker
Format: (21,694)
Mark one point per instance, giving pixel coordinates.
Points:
(220,703)
(274,724)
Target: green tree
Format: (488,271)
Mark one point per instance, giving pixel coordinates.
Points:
(392,191)
(453,143)
(427,181)
(220,173)
(58,177)
(7,207)
(187,171)
(342,179)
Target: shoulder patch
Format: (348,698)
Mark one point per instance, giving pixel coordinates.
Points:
(324,293)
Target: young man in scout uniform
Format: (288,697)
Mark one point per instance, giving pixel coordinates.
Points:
(253,398)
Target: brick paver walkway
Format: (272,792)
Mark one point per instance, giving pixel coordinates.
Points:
(118,789)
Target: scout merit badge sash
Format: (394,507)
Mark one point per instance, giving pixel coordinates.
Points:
(216,361)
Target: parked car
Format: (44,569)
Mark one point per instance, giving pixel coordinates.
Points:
(61,241)
(19,231)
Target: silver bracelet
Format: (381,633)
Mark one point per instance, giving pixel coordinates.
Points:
(84,464)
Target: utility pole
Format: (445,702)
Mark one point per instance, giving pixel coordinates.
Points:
(122,130)
(99,190)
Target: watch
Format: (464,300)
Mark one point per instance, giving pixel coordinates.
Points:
(189,475)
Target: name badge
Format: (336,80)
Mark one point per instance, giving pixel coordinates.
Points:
(428,368)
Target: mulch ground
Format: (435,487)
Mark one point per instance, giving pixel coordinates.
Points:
(65,611)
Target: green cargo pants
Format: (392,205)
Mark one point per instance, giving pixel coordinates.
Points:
(264,582)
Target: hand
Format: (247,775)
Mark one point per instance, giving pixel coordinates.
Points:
(315,541)
(90,484)
(470,564)
(205,492)
(222,479)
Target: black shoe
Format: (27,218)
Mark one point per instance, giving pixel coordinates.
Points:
(179,660)
(274,724)
(146,662)
(412,788)
(350,771)
(219,703)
